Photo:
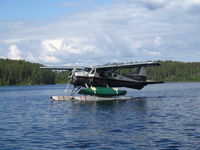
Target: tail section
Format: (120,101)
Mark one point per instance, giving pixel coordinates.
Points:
(139,71)
(138,74)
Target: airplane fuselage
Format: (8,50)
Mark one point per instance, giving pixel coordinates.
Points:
(108,79)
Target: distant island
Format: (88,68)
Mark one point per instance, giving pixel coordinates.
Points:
(20,72)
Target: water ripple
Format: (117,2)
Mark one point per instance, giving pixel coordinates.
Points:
(162,116)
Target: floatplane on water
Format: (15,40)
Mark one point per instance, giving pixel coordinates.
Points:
(100,83)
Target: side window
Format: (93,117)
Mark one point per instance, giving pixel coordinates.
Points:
(114,75)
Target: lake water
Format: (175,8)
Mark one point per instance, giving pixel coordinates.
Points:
(164,116)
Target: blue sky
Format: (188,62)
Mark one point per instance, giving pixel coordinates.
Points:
(22,10)
(93,32)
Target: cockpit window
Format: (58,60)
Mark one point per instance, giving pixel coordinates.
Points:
(87,69)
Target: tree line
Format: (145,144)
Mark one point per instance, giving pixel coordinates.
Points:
(174,71)
(20,72)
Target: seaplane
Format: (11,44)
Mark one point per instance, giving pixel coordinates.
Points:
(99,83)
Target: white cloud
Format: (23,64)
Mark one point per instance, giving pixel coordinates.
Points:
(67,49)
(193,2)
(194,6)
(49,59)
(138,31)
(77,46)
(52,45)
(152,4)
(14,52)
(67,46)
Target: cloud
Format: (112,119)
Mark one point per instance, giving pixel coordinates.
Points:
(49,59)
(194,6)
(71,49)
(134,31)
(14,52)
(151,4)
(52,45)
(31,58)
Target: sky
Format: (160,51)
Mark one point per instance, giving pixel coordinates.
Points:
(93,32)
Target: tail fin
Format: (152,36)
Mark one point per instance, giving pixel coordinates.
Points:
(139,71)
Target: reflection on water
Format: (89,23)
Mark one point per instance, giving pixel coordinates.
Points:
(158,117)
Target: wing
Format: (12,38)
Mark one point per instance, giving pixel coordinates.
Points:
(127,65)
(69,68)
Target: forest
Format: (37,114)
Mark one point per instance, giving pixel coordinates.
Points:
(174,71)
(21,72)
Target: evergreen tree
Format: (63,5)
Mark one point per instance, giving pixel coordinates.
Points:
(20,72)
